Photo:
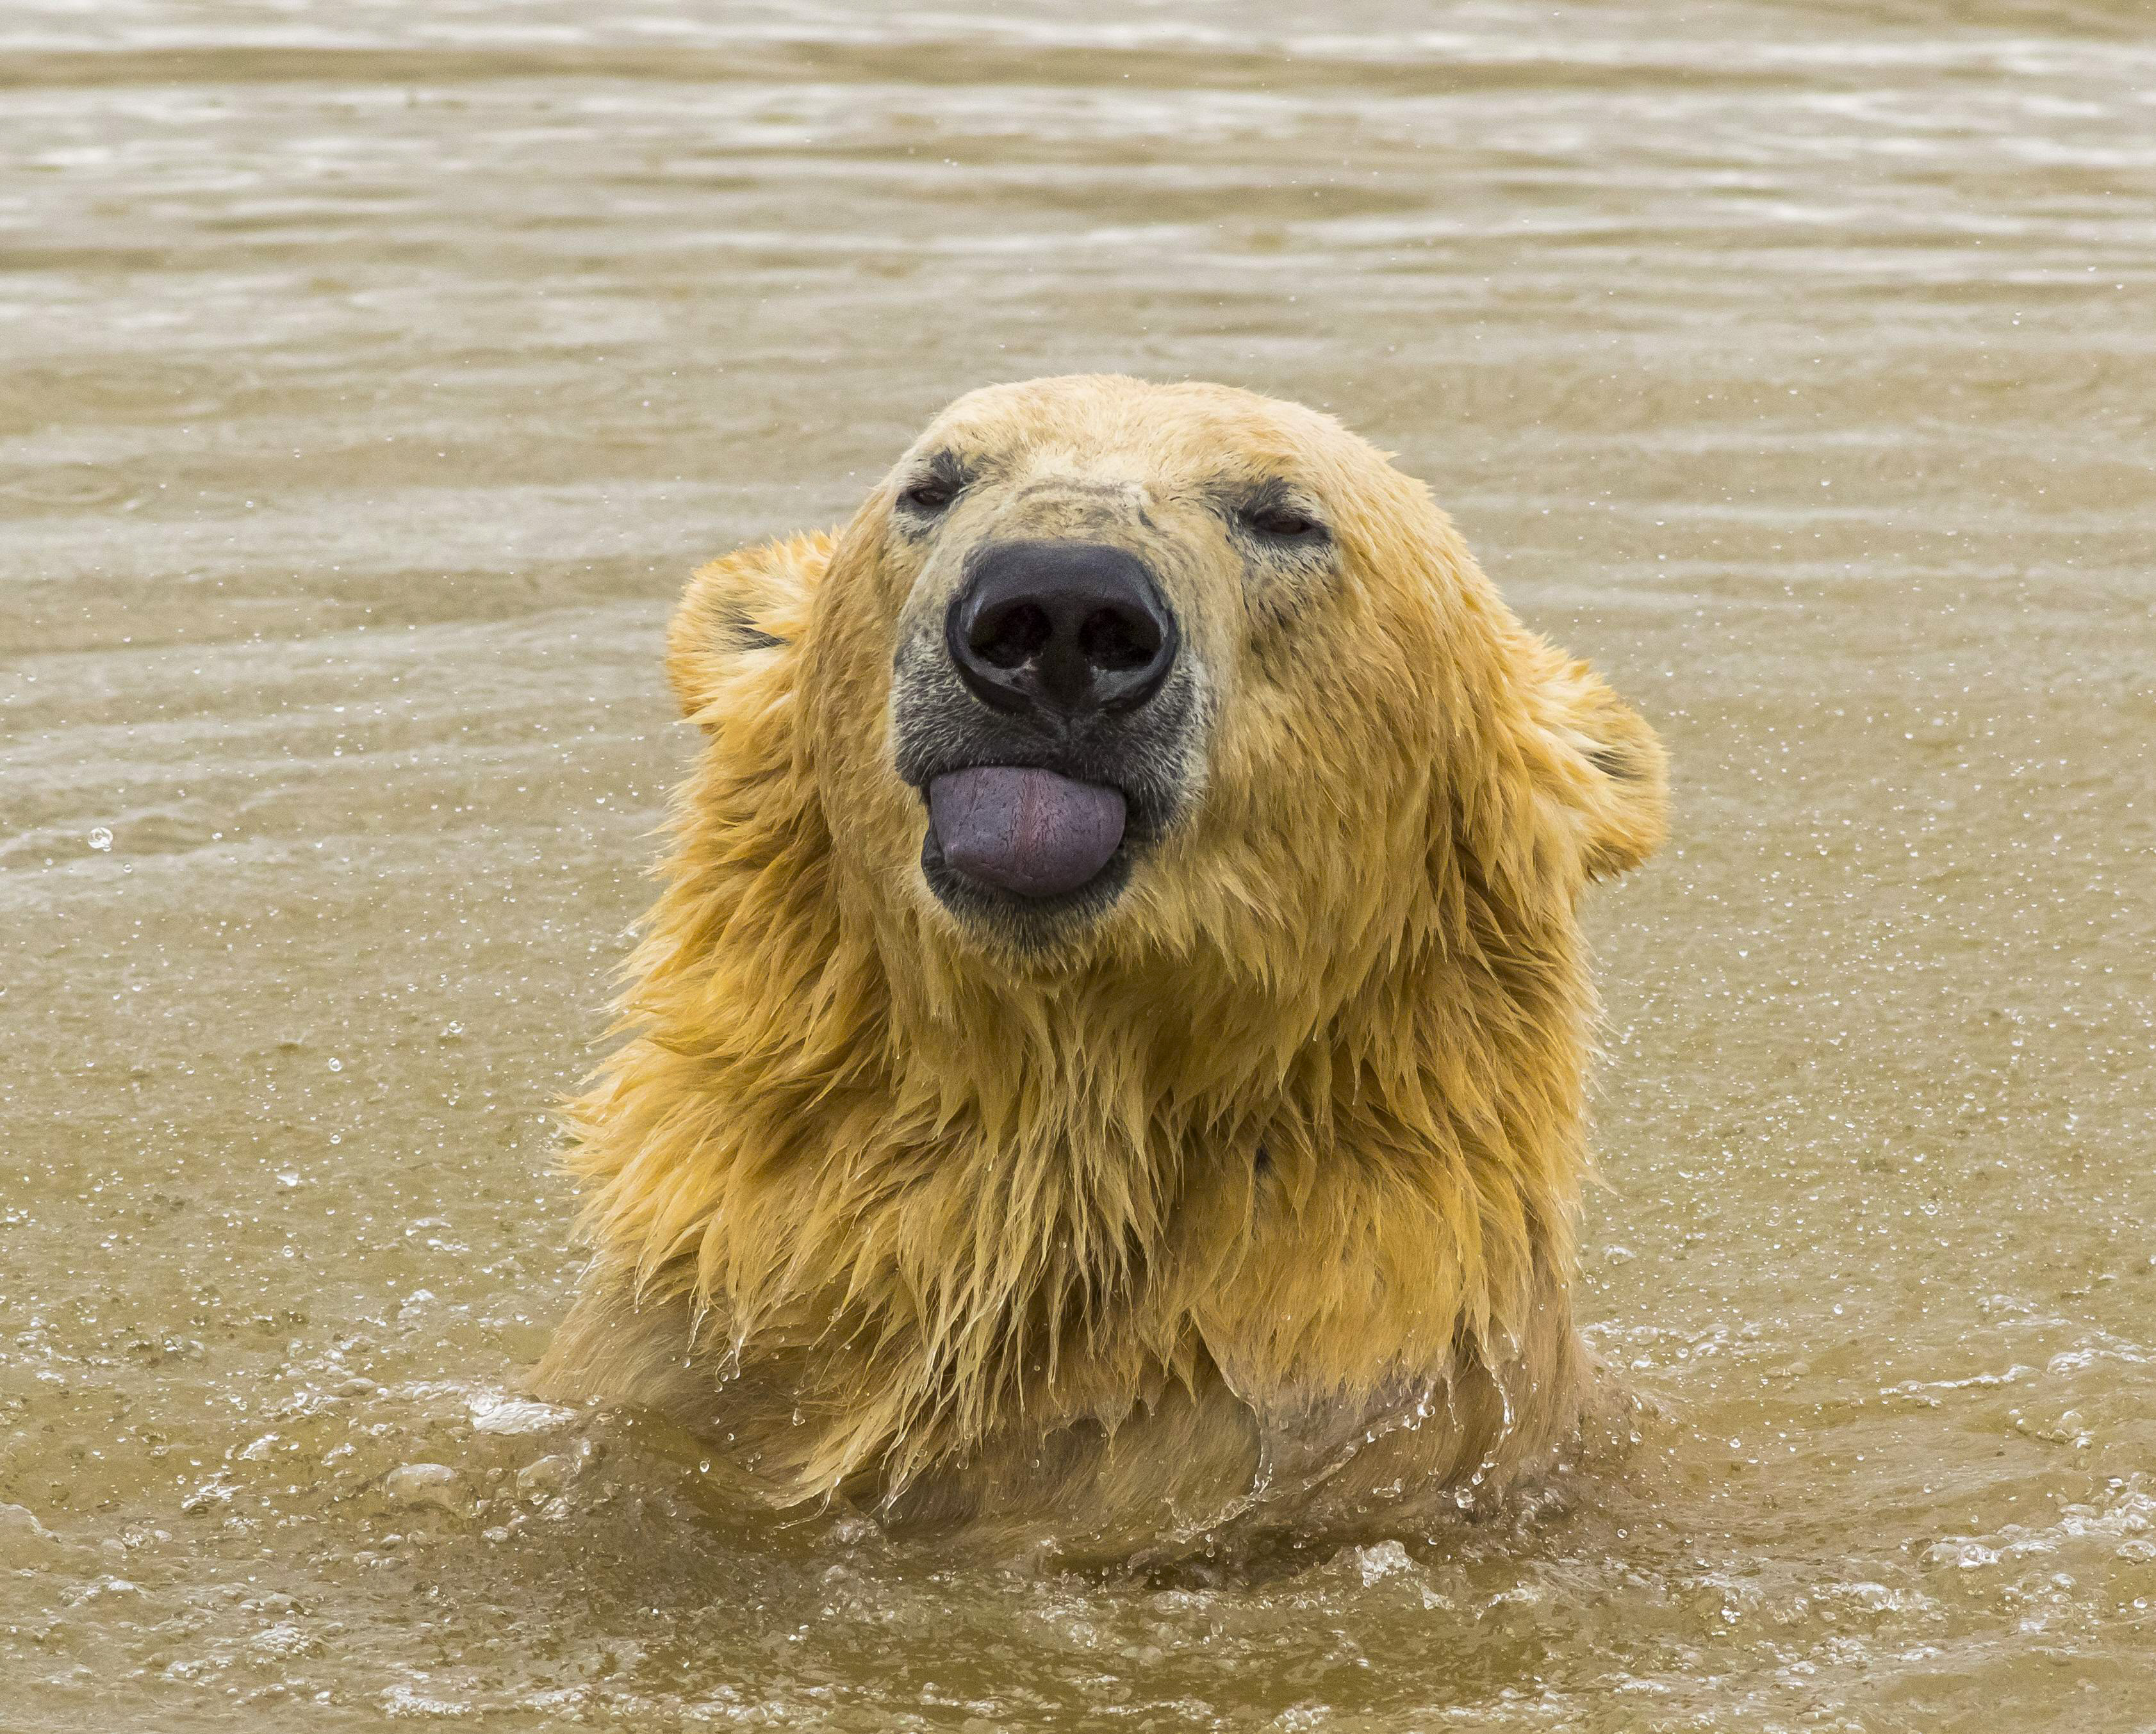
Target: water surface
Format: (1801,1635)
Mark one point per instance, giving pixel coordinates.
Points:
(371,376)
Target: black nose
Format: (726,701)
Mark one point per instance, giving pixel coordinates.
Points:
(1061,627)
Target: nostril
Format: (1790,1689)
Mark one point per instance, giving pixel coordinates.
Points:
(1059,630)
(1117,641)
(1011,636)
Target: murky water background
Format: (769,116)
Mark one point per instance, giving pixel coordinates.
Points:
(371,376)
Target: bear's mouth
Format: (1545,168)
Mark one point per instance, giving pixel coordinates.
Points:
(1032,833)
(1026,852)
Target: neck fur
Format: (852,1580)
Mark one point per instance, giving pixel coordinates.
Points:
(964,1192)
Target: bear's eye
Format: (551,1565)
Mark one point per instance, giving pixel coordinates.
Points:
(1283,523)
(931,494)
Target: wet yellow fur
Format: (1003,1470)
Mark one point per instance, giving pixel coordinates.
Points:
(898,1216)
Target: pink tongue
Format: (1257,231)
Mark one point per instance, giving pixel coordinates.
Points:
(1030,831)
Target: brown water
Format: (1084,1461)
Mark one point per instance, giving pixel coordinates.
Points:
(374,373)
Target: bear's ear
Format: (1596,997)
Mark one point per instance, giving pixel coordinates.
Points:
(741,612)
(1608,771)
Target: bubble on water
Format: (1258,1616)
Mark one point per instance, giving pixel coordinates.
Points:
(543,1477)
(100,839)
(493,1412)
(405,1701)
(98,1589)
(1959,1553)
(336,1065)
(433,1485)
(283,1640)
(1386,1559)
(21,1521)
